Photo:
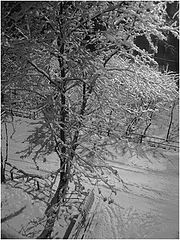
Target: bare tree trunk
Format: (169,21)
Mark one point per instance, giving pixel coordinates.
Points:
(3,178)
(4,161)
(146,128)
(170,121)
(54,206)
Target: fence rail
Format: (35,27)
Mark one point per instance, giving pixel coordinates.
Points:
(21,113)
(146,136)
(154,141)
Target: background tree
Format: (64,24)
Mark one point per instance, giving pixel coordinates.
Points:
(82,70)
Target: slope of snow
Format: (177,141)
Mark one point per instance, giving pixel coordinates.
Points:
(148,208)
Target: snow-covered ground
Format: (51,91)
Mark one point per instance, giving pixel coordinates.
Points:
(148,208)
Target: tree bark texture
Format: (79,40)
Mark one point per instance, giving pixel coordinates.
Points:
(170,121)
(4,161)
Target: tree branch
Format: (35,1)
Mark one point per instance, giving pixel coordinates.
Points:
(110,56)
(120,69)
(43,73)
(111,8)
(25,173)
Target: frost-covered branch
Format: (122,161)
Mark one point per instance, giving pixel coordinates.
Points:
(43,73)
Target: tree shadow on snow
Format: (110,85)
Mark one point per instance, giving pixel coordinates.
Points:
(13,215)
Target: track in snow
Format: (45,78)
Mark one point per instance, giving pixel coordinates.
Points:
(148,210)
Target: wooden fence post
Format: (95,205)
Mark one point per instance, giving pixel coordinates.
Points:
(80,222)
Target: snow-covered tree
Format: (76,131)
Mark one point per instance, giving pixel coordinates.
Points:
(82,70)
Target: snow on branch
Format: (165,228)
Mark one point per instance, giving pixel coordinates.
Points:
(42,72)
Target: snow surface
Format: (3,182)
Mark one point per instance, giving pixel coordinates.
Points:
(148,208)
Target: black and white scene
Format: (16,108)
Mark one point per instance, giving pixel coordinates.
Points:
(90,119)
